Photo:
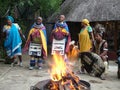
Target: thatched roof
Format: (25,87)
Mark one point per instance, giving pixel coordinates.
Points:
(94,10)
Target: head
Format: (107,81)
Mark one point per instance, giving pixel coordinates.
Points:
(10,20)
(99,31)
(99,28)
(39,20)
(85,22)
(62,18)
(98,37)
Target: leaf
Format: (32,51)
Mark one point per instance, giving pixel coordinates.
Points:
(21,3)
(30,3)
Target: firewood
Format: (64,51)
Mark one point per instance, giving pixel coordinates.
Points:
(61,86)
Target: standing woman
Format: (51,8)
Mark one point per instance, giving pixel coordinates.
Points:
(61,31)
(12,41)
(37,38)
(85,38)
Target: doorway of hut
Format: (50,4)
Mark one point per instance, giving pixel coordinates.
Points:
(74,28)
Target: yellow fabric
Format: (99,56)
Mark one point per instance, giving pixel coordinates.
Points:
(7,27)
(63,30)
(86,21)
(42,38)
(73,54)
(84,40)
(43,41)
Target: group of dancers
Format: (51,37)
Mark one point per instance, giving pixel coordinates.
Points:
(90,42)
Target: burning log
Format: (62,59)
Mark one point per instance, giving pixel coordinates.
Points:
(51,85)
(62,78)
(68,82)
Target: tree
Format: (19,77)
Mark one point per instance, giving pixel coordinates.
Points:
(26,8)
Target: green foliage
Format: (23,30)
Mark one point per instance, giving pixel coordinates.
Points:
(44,7)
(49,6)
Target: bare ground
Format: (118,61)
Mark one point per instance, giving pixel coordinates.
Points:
(20,78)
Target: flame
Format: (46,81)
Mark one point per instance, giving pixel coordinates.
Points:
(59,68)
(62,75)
(72,86)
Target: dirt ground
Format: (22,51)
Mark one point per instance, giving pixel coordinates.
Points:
(20,78)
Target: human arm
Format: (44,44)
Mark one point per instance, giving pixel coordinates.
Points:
(91,37)
(105,50)
(91,33)
(21,34)
(20,31)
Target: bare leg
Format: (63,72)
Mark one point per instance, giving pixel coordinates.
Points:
(20,58)
(14,61)
(104,58)
(104,75)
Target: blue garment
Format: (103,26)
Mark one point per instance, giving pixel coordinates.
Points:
(63,25)
(32,63)
(13,41)
(10,18)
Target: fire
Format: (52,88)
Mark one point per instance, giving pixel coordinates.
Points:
(59,68)
(62,77)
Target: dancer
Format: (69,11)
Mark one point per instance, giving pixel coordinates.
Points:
(37,44)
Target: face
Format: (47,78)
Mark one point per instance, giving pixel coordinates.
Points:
(39,21)
(9,22)
(98,37)
(83,25)
(62,18)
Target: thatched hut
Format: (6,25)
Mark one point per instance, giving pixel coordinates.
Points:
(106,12)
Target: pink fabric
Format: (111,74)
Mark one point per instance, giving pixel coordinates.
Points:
(62,36)
(35,34)
(67,44)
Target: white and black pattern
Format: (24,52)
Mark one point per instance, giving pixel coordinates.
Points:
(92,63)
